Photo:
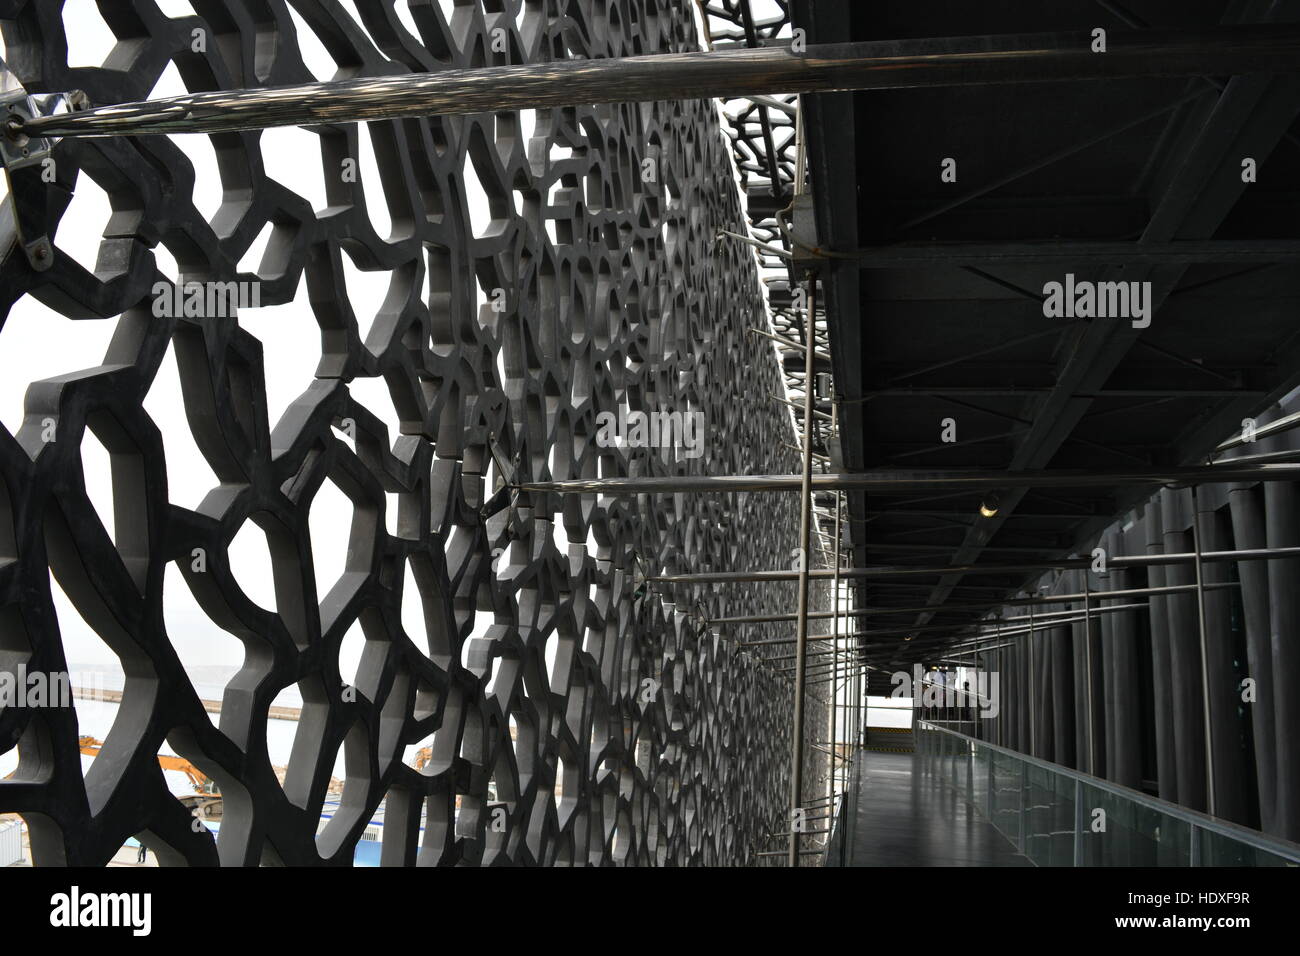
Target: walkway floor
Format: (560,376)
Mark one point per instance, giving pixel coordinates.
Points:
(905,819)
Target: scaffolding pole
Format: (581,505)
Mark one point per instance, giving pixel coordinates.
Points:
(805,547)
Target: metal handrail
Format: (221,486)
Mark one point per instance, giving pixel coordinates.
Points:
(1254,838)
(837,842)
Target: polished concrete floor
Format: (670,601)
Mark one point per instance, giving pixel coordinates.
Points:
(906,819)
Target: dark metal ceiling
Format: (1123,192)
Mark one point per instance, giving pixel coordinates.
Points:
(960,331)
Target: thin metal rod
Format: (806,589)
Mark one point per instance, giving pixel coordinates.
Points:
(923,255)
(895,571)
(1033,682)
(762,246)
(983,641)
(805,548)
(1087,667)
(808,655)
(828,680)
(1205,655)
(806,408)
(812,639)
(981,606)
(1275,427)
(886,64)
(949,631)
(790,344)
(1001,658)
(825,669)
(979,639)
(885,481)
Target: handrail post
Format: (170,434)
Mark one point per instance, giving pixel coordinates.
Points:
(1024,806)
(1087,669)
(1033,682)
(1078,823)
(1205,656)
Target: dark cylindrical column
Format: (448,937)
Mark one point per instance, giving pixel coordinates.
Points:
(1078,640)
(1026,693)
(1127,737)
(1098,701)
(1110,579)
(1166,772)
(1184,655)
(1004,707)
(1282,526)
(1043,681)
(1020,695)
(1225,722)
(1033,683)
(1062,696)
(1007,718)
(1247,504)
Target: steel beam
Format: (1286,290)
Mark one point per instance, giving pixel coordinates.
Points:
(1275,427)
(725,577)
(886,64)
(805,552)
(907,481)
(929,254)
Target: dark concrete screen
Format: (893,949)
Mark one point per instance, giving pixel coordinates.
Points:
(546,283)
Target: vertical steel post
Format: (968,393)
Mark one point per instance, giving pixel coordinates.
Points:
(1087,669)
(805,536)
(1205,655)
(854,750)
(835,649)
(1033,698)
(1000,737)
(1078,823)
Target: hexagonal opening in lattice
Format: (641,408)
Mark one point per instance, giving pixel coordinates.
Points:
(330,522)
(249,553)
(189,474)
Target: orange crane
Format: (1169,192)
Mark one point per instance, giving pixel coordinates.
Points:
(422,757)
(206,798)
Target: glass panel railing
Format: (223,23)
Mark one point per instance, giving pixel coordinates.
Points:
(1060,817)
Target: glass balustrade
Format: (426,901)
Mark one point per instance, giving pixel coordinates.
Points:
(1060,817)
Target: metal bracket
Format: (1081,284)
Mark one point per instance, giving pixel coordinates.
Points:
(25,161)
(507,495)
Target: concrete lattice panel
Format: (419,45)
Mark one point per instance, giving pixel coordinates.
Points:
(648,739)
